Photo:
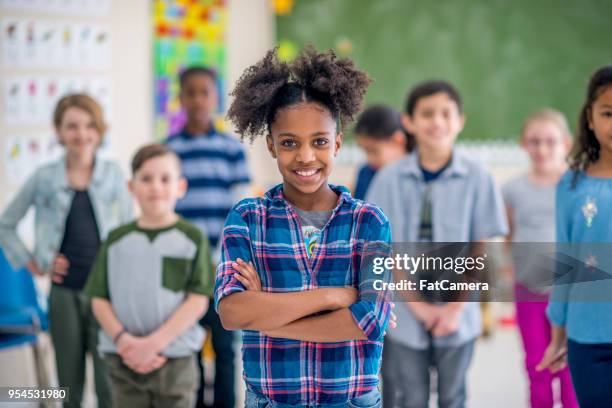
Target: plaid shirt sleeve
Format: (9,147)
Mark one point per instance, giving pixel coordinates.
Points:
(235,243)
(371,312)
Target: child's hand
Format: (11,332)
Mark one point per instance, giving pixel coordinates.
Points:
(156,363)
(125,343)
(59,269)
(448,321)
(149,366)
(247,275)
(427,313)
(140,354)
(555,357)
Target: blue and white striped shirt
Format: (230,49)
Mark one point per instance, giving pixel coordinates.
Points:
(214,165)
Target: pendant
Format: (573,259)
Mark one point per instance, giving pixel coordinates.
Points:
(589,211)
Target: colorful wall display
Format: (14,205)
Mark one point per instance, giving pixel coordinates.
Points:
(187,33)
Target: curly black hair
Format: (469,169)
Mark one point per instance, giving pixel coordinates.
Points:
(585,150)
(270,85)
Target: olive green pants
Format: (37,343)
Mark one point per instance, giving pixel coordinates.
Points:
(173,385)
(74,333)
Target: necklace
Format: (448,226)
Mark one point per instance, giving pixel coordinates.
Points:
(589,211)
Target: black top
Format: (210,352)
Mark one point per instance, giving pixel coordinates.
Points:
(81,240)
(429,176)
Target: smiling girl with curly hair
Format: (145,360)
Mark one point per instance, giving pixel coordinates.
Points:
(290,265)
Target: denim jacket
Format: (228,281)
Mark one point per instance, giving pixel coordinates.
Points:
(50,194)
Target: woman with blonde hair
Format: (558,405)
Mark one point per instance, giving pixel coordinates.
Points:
(77,200)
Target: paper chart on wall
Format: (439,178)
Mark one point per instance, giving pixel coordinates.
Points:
(24,153)
(74,7)
(11,42)
(49,42)
(30,43)
(30,100)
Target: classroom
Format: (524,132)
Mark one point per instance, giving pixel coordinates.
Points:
(305,203)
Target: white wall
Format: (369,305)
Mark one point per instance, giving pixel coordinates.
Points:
(132,76)
(251,33)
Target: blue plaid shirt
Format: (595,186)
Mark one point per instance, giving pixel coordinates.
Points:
(267,232)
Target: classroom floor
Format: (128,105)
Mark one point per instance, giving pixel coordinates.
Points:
(496,377)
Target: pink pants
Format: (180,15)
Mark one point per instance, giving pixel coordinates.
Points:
(535,332)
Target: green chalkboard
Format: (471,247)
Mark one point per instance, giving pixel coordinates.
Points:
(506,57)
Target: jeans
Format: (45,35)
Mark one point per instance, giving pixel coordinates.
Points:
(368,400)
(591,369)
(406,375)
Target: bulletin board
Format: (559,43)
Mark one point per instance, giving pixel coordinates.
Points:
(186,33)
(507,58)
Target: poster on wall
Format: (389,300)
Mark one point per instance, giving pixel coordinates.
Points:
(34,43)
(24,153)
(30,100)
(74,7)
(186,33)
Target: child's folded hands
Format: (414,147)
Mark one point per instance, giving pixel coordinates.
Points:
(140,354)
(427,313)
(448,320)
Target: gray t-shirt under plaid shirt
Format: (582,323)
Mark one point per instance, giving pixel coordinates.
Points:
(312,224)
(146,275)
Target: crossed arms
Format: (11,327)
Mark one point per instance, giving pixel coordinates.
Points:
(290,315)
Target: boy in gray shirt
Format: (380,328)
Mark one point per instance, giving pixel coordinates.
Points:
(434,194)
(150,285)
